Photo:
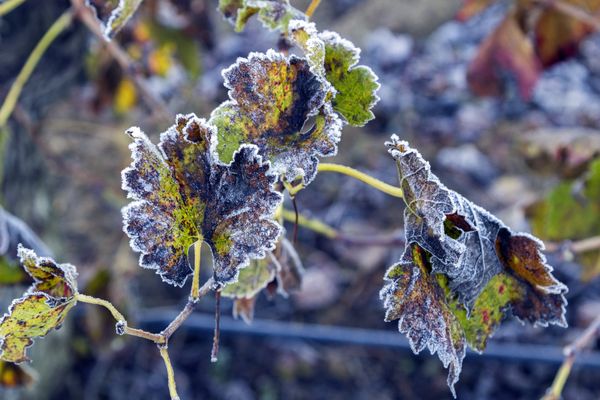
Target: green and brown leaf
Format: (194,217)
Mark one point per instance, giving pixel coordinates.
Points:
(183,194)
(272,99)
(41,309)
(335,59)
(465,265)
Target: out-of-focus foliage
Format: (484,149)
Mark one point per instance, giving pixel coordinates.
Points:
(14,376)
(522,48)
(571,211)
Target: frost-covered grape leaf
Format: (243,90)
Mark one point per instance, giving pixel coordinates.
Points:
(414,298)
(506,52)
(271,99)
(571,211)
(467,263)
(183,194)
(557,35)
(273,14)
(336,60)
(118,17)
(15,376)
(42,308)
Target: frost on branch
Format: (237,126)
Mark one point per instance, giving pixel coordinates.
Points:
(117,18)
(273,14)
(182,193)
(335,59)
(42,308)
(272,100)
(464,263)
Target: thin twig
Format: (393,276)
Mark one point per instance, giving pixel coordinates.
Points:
(214,354)
(128,66)
(9,5)
(312,7)
(571,352)
(576,247)
(170,373)
(329,232)
(59,26)
(187,310)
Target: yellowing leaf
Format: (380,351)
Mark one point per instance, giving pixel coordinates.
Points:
(15,376)
(571,211)
(463,271)
(335,59)
(272,98)
(507,50)
(252,279)
(125,96)
(183,194)
(43,307)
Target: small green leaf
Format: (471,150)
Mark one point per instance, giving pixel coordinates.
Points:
(272,98)
(252,279)
(43,307)
(337,59)
(183,193)
(273,14)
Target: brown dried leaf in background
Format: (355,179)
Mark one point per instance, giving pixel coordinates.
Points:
(507,52)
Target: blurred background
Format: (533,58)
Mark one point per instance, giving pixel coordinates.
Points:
(515,130)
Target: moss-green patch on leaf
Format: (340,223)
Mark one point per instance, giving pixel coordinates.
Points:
(272,98)
(184,193)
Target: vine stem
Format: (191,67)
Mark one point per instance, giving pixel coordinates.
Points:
(170,373)
(571,352)
(329,232)
(126,330)
(312,7)
(60,25)
(361,176)
(9,5)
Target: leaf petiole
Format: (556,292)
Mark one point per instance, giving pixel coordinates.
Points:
(361,176)
(196,277)
(170,373)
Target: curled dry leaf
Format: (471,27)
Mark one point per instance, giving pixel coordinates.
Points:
(183,194)
(42,308)
(507,50)
(463,271)
(335,59)
(272,99)
(273,14)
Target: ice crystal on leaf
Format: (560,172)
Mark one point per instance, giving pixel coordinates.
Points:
(182,193)
(118,16)
(463,271)
(272,100)
(42,308)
